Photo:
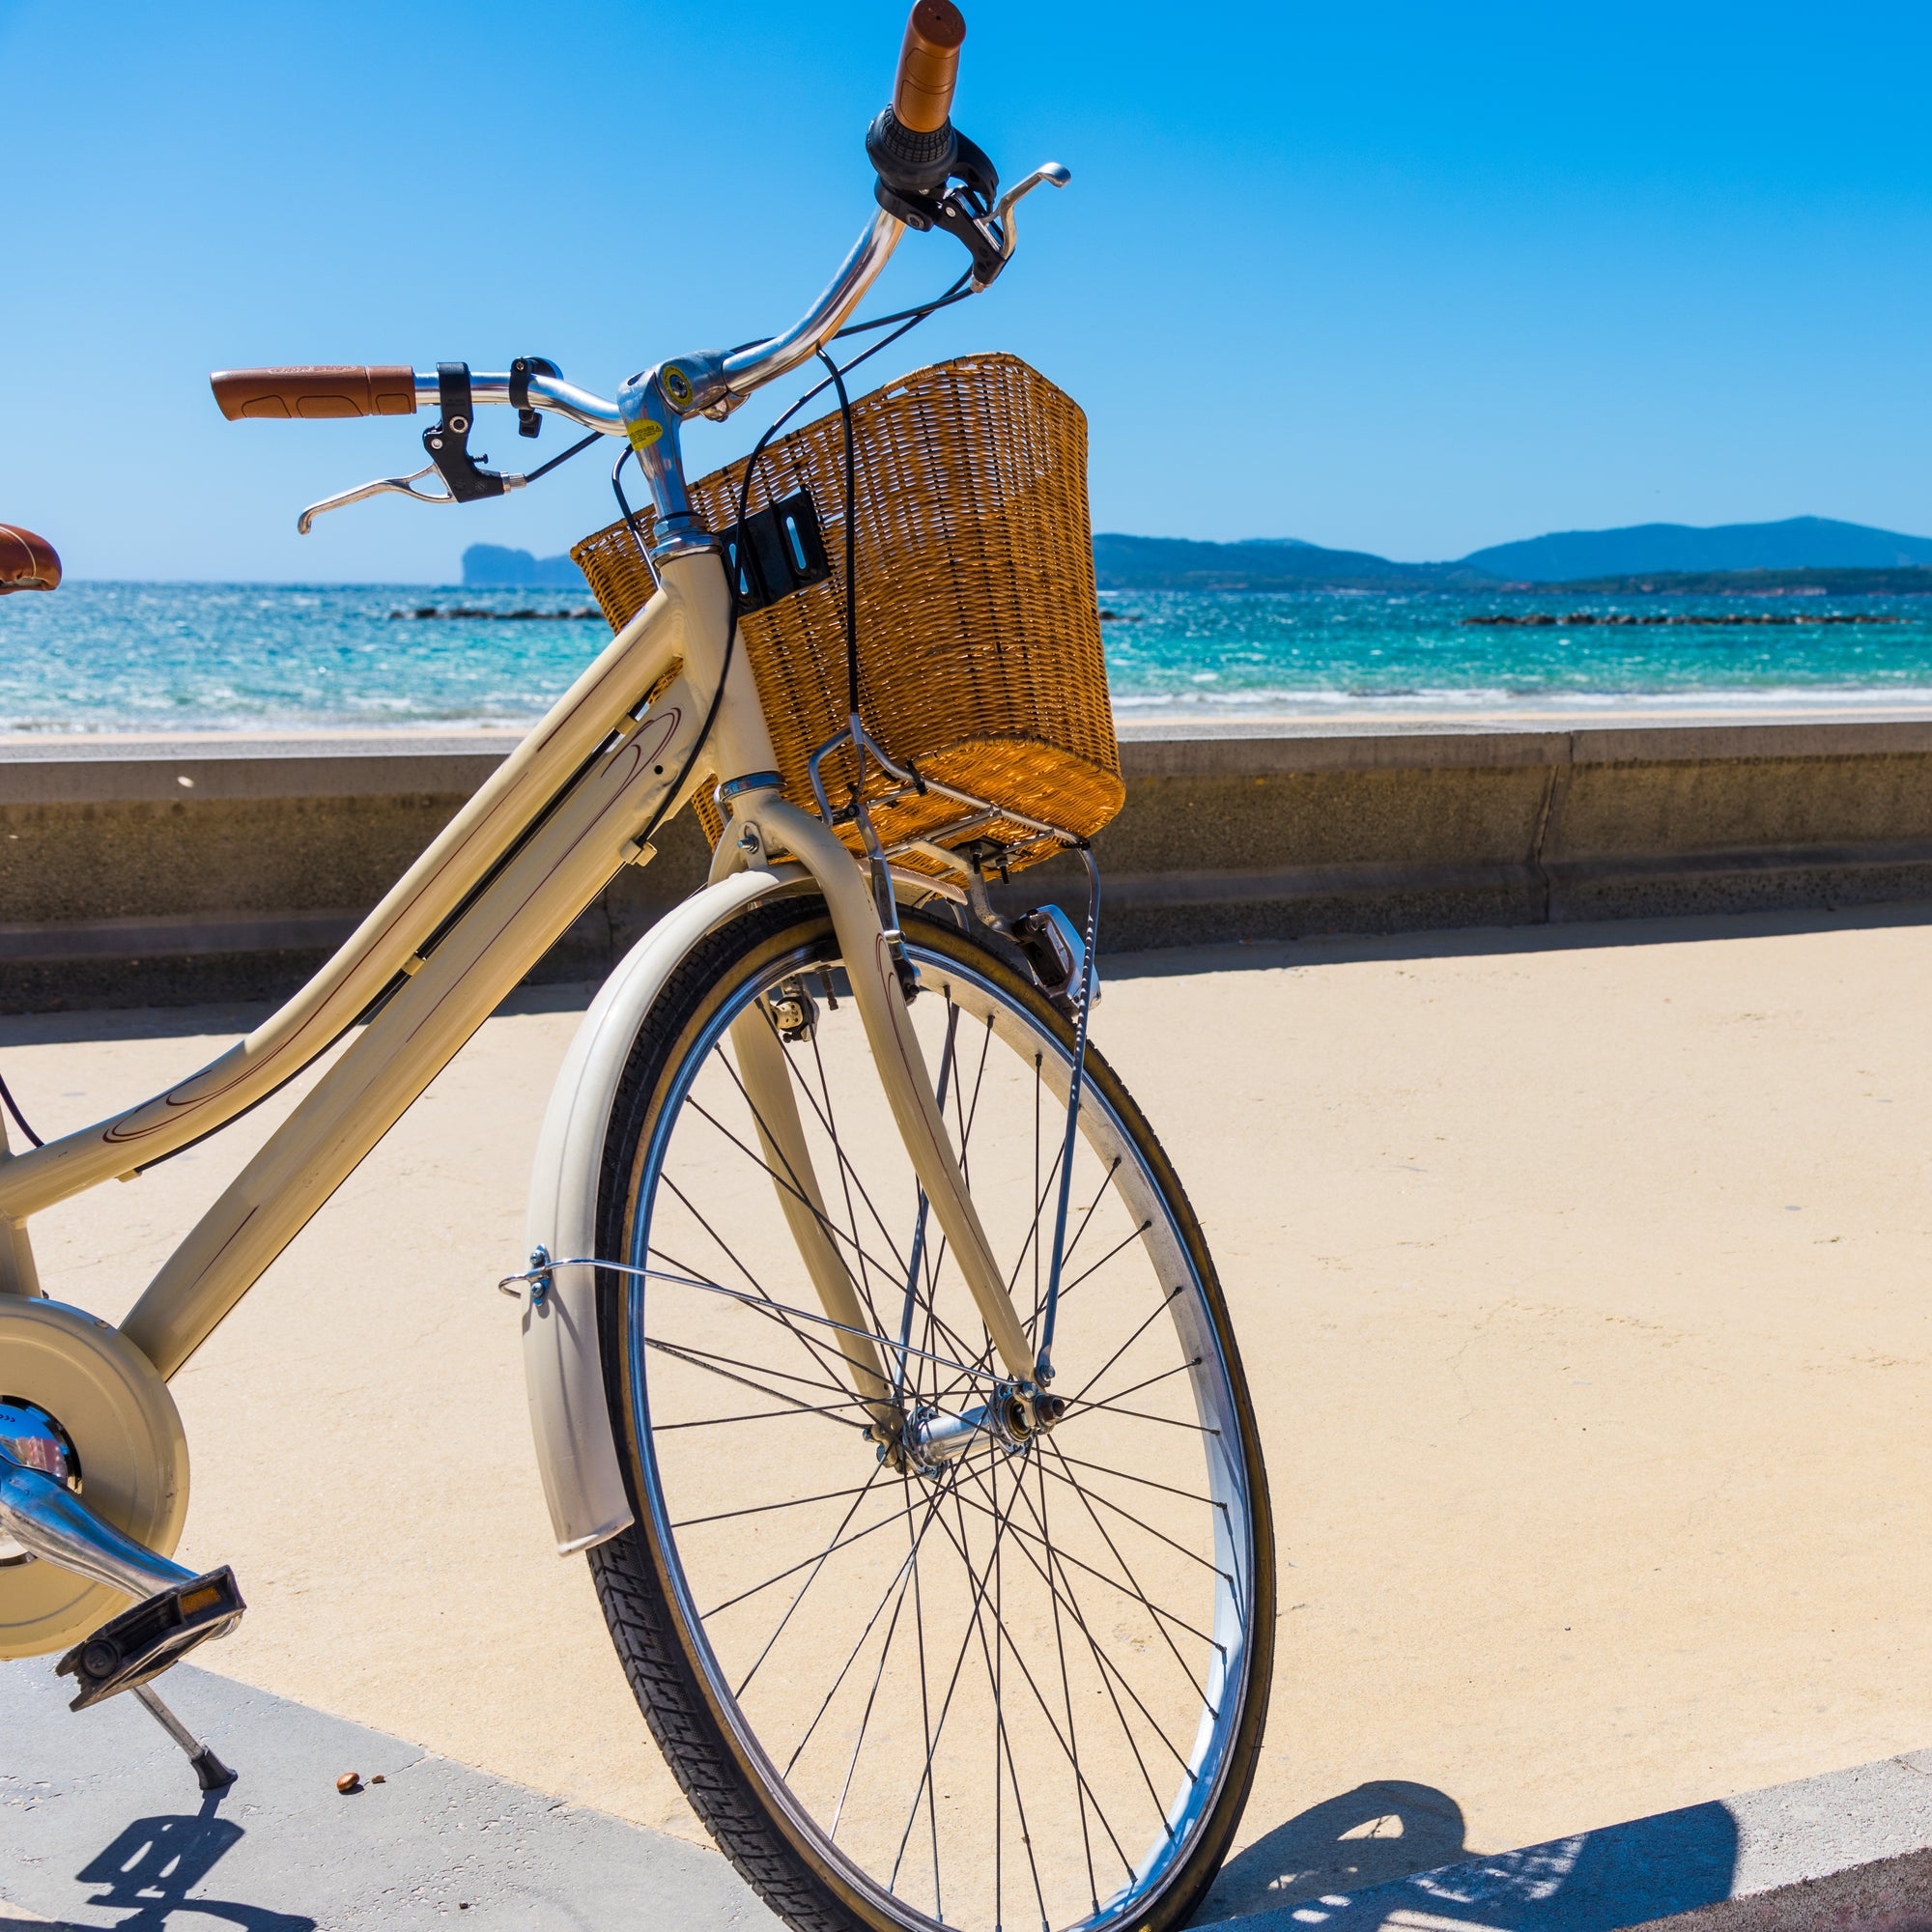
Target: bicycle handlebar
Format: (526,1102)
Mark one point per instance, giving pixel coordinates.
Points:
(312,393)
(315,393)
(928,65)
(921,154)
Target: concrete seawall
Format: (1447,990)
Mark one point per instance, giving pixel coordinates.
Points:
(134,873)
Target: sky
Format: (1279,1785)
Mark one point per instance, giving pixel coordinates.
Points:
(1397,277)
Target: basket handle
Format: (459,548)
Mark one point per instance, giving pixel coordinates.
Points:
(928,65)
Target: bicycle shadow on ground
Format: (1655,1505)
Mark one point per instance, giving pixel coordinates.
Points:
(1367,1836)
(152,1863)
(1348,1863)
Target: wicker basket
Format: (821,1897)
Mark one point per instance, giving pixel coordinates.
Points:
(979,630)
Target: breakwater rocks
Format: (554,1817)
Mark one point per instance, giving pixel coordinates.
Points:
(1728,621)
(497,616)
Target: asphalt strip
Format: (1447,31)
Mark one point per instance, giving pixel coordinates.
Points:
(102,1824)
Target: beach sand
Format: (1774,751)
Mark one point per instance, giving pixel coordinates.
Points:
(1580,1275)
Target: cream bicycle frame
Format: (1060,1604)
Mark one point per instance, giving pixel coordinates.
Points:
(501,883)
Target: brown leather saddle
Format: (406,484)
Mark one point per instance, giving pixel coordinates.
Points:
(27,562)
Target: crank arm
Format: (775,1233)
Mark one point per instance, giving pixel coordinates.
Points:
(176,1608)
(398,486)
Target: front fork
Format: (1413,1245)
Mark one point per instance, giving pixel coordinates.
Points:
(762,823)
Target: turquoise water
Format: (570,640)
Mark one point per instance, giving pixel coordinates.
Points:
(1310,653)
(105,657)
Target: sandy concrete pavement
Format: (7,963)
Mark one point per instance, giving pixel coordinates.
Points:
(1580,1275)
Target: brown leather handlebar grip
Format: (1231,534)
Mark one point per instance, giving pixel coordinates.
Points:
(27,562)
(928,65)
(314,394)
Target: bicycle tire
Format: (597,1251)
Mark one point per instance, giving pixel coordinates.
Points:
(644,1576)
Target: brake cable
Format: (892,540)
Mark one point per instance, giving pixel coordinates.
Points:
(19,1119)
(908,318)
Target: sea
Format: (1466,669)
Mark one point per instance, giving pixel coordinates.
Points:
(173,658)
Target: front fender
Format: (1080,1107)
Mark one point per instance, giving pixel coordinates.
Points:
(562,1363)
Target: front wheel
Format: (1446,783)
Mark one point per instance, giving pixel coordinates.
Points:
(943,1667)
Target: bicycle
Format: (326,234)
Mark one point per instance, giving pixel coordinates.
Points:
(877,1359)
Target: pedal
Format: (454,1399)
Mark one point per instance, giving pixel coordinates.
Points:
(142,1642)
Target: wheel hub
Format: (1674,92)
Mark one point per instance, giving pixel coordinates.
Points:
(1012,1416)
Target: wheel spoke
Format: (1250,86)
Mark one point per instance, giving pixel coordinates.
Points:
(826,1356)
(851,1178)
(866,1264)
(1109,1669)
(790,1187)
(900,1578)
(1139,1415)
(759,1415)
(1125,1346)
(1128,1476)
(1063,1556)
(699,1359)
(1066,1748)
(813,1563)
(1095,1497)
(1072,1729)
(979,1580)
(1126,1242)
(763,1509)
(1166,1374)
(1114,1548)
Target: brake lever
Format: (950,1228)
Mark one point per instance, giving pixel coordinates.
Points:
(966,211)
(447,443)
(400,485)
(1047,174)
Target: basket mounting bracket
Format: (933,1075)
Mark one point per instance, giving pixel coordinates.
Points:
(776,551)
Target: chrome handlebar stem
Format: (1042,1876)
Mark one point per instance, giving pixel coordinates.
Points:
(657,402)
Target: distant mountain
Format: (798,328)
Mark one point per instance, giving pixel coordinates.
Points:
(1576,560)
(1279,563)
(492,566)
(1799,543)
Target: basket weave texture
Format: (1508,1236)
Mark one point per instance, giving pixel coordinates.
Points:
(979,629)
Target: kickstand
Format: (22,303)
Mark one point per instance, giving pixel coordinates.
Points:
(210,1771)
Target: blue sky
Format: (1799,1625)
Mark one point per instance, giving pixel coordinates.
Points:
(1406,279)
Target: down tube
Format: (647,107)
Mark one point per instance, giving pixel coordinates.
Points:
(568,861)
